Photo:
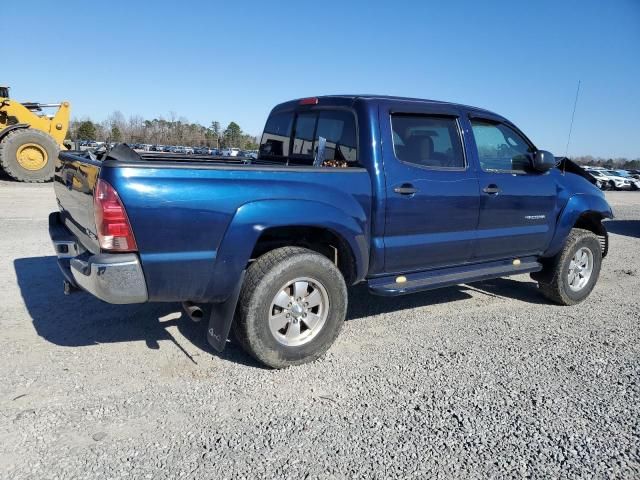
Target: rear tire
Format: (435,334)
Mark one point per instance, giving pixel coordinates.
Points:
(569,277)
(292,307)
(28,155)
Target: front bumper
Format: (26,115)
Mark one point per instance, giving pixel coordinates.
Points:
(112,277)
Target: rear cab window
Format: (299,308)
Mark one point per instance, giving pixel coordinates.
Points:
(292,137)
(275,138)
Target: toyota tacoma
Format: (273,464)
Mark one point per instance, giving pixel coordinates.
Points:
(401,194)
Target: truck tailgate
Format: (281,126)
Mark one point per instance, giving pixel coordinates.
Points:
(74,182)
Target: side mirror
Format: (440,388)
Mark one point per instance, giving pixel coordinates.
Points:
(543,161)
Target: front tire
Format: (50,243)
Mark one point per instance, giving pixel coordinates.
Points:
(569,277)
(292,307)
(28,155)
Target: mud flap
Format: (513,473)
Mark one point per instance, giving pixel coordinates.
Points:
(222,317)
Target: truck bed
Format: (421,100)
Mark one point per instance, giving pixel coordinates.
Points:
(181,206)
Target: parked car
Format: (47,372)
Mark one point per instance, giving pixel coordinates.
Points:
(602,181)
(615,181)
(620,182)
(230,152)
(635,182)
(384,191)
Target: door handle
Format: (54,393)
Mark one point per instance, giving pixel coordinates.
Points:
(405,189)
(491,189)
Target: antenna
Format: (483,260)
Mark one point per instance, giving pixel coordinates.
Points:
(575,104)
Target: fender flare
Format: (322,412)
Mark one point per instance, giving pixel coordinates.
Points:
(11,128)
(576,206)
(253,218)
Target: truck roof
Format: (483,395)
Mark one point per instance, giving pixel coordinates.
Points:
(349,99)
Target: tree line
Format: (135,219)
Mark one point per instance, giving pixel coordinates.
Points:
(161,131)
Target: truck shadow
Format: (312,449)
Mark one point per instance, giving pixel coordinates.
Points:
(629,228)
(81,320)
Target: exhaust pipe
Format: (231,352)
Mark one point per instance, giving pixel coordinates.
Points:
(194,311)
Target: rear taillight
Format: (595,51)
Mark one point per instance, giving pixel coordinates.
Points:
(114,230)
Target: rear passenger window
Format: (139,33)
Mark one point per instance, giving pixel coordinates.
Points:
(427,141)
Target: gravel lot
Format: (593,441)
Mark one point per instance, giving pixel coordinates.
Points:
(486,380)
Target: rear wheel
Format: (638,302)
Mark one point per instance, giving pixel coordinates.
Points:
(291,308)
(569,277)
(28,155)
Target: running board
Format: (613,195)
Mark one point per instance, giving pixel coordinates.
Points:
(418,282)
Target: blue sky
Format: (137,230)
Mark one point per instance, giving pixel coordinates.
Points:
(235,60)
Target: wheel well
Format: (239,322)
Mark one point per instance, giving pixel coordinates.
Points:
(320,240)
(12,128)
(592,221)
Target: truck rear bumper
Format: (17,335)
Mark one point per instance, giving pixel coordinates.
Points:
(112,277)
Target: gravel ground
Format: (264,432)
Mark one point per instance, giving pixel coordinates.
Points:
(486,380)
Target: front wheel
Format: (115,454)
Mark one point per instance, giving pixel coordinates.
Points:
(569,277)
(291,308)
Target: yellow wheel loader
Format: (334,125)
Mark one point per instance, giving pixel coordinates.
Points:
(30,140)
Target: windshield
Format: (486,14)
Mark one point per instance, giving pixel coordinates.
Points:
(613,173)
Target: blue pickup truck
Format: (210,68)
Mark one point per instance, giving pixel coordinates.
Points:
(403,194)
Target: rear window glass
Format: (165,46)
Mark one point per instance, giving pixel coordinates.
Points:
(339,128)
(303,137)
(275,139)
(294,137)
